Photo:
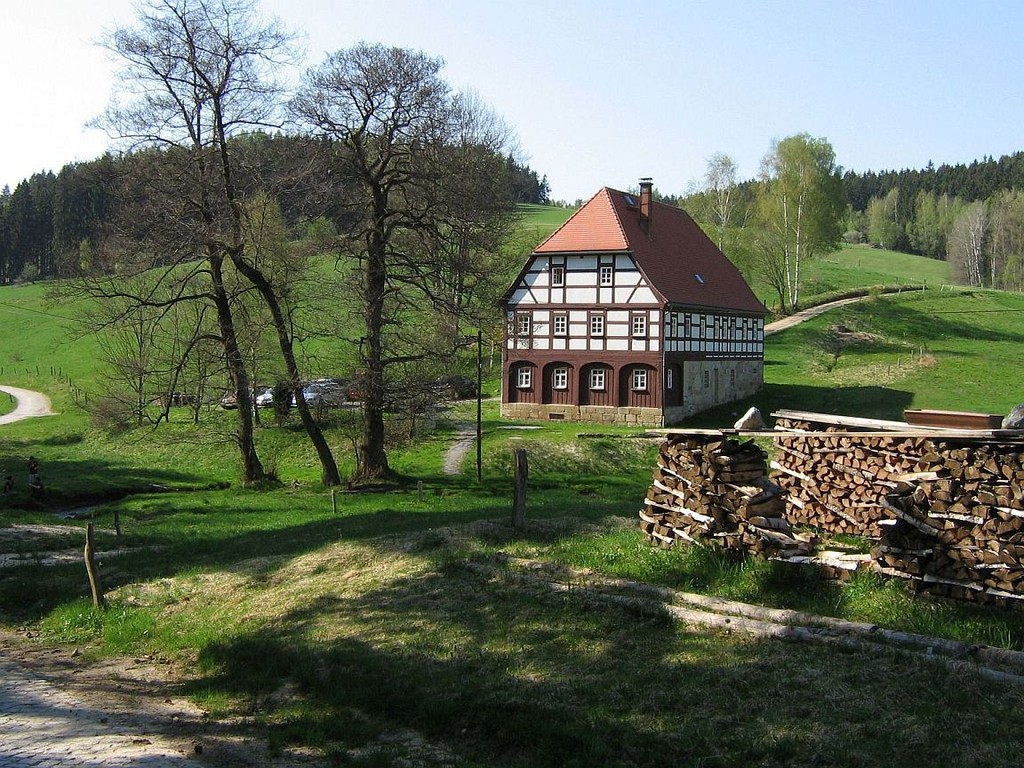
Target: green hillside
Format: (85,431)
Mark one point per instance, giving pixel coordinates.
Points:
(327,621)
(931,347)
(43,347)
(857,266)
(951,350)
(535,224)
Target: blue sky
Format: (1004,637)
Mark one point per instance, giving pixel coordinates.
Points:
(601,93)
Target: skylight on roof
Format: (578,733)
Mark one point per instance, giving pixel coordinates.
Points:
(700,277)
(630,201)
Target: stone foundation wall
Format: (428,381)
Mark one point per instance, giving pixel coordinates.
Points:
(590,414)
(749,378)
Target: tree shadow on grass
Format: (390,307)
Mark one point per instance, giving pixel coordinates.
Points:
(874,402)
(71,483)
(160,540)
(499,674)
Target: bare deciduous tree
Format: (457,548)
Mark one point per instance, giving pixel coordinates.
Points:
(198,73)
(424,168)
(195,74)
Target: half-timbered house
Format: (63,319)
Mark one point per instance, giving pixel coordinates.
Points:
(629,313)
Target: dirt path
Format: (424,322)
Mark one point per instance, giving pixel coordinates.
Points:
(59,709)
(464,442)
(56,708)
(807,314)
(30,404)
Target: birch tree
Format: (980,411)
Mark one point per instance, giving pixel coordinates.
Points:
(1006,240)
(800,208)
(720,187)
(883,228)
(967,244)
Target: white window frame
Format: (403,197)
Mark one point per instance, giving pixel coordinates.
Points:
(557,276)
(524,377)
(560,378)
(597,325)
(639,326)
(639,379)
(524,324)
(606,273)
(598,379)
(560,324)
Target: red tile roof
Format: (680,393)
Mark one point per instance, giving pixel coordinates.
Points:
(679,261)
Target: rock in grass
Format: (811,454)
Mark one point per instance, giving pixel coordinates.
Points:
(1015,420)
(751,420)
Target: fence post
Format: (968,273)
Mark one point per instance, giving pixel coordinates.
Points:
(94,573)
(519,499)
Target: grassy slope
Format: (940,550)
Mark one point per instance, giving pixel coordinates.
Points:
(366,616)
(856,266)
(951,350)
(40,346)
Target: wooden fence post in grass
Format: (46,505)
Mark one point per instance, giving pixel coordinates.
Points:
(90,566)
(519,499)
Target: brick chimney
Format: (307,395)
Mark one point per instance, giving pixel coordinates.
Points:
(646,185)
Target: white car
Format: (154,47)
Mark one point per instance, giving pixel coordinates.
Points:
(324,394)
(265,398)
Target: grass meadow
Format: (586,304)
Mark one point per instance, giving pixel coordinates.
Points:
(341,623)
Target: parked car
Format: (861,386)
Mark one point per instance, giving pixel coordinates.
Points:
(265,398)
(230,400)
(324,393)
(456,386)
(177,399)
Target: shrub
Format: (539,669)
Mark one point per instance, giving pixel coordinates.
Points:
(111,415)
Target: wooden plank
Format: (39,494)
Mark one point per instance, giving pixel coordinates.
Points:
(999,436)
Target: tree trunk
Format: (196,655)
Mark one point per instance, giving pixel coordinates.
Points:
(329,467)
(252,467)
(373,459)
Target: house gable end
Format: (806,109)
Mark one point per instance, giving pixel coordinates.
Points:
(575,279)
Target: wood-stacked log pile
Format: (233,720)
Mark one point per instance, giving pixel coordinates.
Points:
(713,489)
(836,480)
(946,511)
(961,529)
